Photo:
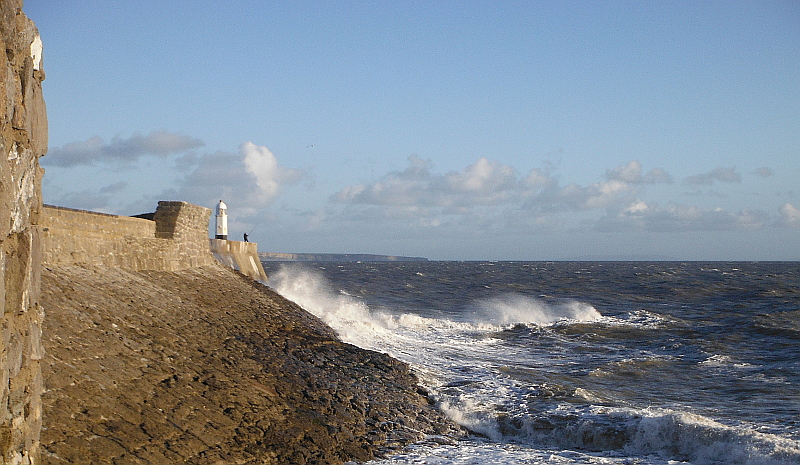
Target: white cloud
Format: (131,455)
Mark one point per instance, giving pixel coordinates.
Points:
(790,215)
(657,176)
(620,185)
(483,178)
(247,180)
(631,173)
(482,183)
(636,208)
(95,150)
(262,164)
(537,180)
(593,196)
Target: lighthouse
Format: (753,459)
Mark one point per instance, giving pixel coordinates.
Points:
(222,221)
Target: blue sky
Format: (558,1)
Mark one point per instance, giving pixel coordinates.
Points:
(451,130)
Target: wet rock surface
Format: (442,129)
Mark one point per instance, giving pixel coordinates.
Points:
(206,366)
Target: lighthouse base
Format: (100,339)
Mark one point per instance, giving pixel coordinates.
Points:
(241,256)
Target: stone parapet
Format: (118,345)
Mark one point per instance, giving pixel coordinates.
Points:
(96,224)
(181,220)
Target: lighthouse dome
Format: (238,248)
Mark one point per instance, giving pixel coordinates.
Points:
(221,207)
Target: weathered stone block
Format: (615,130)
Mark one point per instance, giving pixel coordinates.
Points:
(23,139)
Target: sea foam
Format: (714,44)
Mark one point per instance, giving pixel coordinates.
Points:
(520,309)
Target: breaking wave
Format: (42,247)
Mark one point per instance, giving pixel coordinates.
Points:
(520,309)
(658,433)
(350,316)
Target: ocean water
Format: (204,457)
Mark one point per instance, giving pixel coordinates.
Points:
(581,362)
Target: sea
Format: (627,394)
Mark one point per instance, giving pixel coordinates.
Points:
(647,363)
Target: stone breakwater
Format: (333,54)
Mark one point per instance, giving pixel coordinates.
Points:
(204,365)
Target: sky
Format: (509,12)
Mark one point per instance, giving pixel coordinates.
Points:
(473,130)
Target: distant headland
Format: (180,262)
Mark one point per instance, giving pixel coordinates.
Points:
(334,257)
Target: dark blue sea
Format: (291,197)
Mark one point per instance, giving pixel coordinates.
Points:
(581,362)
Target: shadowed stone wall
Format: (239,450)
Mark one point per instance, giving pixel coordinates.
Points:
(23,139)
(186,225)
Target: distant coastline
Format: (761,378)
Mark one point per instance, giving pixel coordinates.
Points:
(334,257)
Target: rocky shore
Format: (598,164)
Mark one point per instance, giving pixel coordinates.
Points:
(207,366)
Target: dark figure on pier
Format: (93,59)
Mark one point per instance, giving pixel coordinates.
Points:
(245,237)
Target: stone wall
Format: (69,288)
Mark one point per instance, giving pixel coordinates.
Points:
(187,226)
(176,238)
(23,139)
(241,256)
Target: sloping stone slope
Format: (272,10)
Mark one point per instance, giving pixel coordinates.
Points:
(206,366)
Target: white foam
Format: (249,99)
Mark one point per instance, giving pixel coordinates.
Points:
(638,319)
(650,435)
(354,321)
(703,441)
(517,308)
(479,452)
(348,316)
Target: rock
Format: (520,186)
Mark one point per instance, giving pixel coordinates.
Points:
(23,139)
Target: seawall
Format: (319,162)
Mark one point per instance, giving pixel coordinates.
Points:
(174,237)
(206,366)
(157,353)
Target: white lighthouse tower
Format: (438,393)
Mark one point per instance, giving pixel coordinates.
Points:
(222,221)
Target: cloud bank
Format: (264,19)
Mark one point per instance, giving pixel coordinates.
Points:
(95,150)
(486,197)
(250,178)
(487,183)
(490,193)
(676,217)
